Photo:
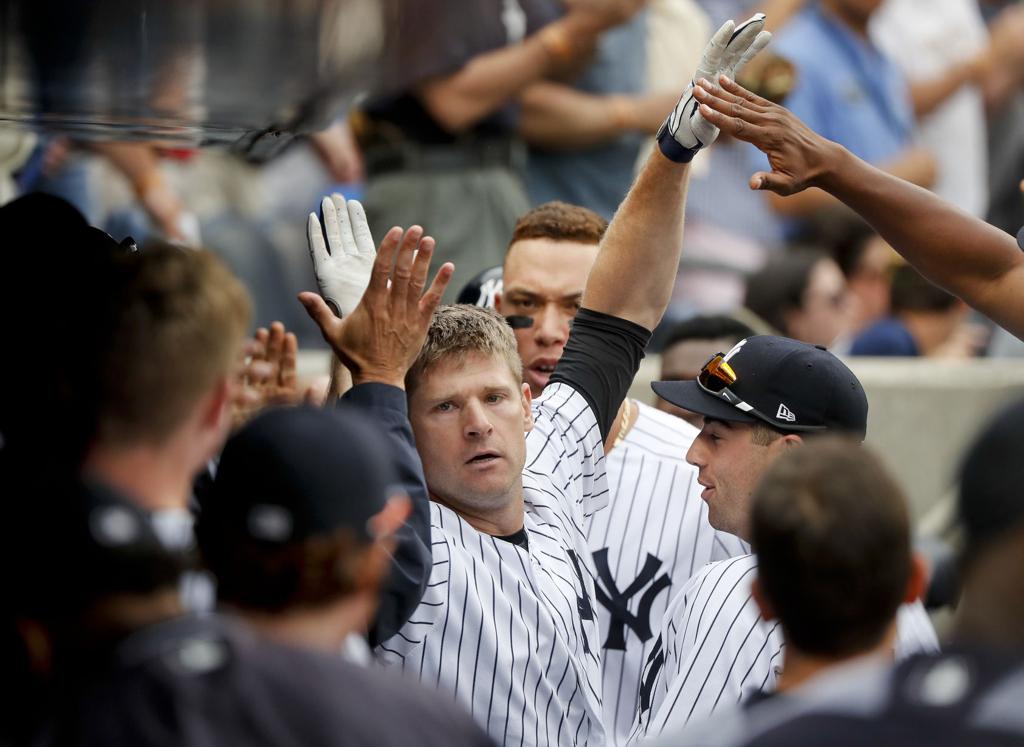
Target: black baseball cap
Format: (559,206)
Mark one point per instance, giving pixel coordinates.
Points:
(990,499)
(790,385)
(295,473)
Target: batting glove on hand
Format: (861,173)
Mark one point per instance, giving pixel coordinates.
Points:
(686,131)
(342,251)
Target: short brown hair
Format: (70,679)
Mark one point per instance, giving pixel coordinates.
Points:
(832,536)
(560,221)
(311,573)
(177,327)
(456,331)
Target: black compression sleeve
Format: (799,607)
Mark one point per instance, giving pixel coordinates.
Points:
(600,360)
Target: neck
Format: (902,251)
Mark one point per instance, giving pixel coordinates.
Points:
(624,421)
(928,330)
(322,628)
(798,666)
(152,476)
(501,522)
(856,22)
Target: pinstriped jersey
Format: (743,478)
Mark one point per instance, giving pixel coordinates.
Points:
(715,650)
(646,544)
(510,632)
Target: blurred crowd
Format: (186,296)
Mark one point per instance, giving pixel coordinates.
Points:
(186,573)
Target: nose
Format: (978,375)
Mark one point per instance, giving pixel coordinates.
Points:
(697,455)
(475,423)
(551,326)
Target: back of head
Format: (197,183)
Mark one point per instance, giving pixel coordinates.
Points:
(991,510)
(287,518)
(458,331)
(912,292)
(832,536)
(560,221)
(779,286)
(180,322)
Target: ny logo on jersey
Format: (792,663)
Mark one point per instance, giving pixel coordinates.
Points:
(617,602)
(583,605)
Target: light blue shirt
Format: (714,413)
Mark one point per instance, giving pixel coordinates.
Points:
(846,89)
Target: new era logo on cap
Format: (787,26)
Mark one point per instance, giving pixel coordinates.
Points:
(784,413)
(774,379)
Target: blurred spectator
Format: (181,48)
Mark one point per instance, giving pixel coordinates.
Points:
(800,294)
(925,321)
(954,69)
(585,138)
(867,262)
(848,91)
(688,346)
(445,152)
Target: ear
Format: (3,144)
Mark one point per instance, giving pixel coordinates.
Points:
(389,519)
(497,301)
(917,583)
(765,607)
(216,413)
(527,398)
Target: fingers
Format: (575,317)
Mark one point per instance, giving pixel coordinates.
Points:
(361,228)
(729,105)
(348,239)
(275,344)
(731,86)
(258,350)
(759,43)
(315,241)
(715,49)
(420,269)
(288,373)
(332,230)
(403,265)
(382,265)
(321,314)
(741,40)
(432,298)
(774,182)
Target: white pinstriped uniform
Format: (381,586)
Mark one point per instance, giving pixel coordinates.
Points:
(511,633)
(652,537)
(715,650)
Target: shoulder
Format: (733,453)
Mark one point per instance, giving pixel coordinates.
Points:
(660,433)
(714,586)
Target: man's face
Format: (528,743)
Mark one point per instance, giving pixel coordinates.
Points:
(544,280)
(729,467)
(470,417)
(682,362)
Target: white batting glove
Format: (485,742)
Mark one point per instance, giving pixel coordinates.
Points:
(686,131)
(342,251)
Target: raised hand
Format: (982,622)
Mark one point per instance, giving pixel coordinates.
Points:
(268,376)
(381,337)
(686,131)
(798,155)
(342,252)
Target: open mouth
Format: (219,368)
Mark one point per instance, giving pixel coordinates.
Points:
(484,458)
(544,368)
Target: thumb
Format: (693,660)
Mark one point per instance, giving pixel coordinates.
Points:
(773,182)
(319,312)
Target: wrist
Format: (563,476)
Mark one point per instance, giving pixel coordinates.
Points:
(379,376)
(831,166)
(620,112)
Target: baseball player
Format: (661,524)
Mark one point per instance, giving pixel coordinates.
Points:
(763,397)
(507,623)
(971,693)
(655,531)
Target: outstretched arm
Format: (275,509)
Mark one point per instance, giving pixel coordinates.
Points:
(966,256)
(636,268)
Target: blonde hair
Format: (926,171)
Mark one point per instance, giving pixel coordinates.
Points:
(457,331)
